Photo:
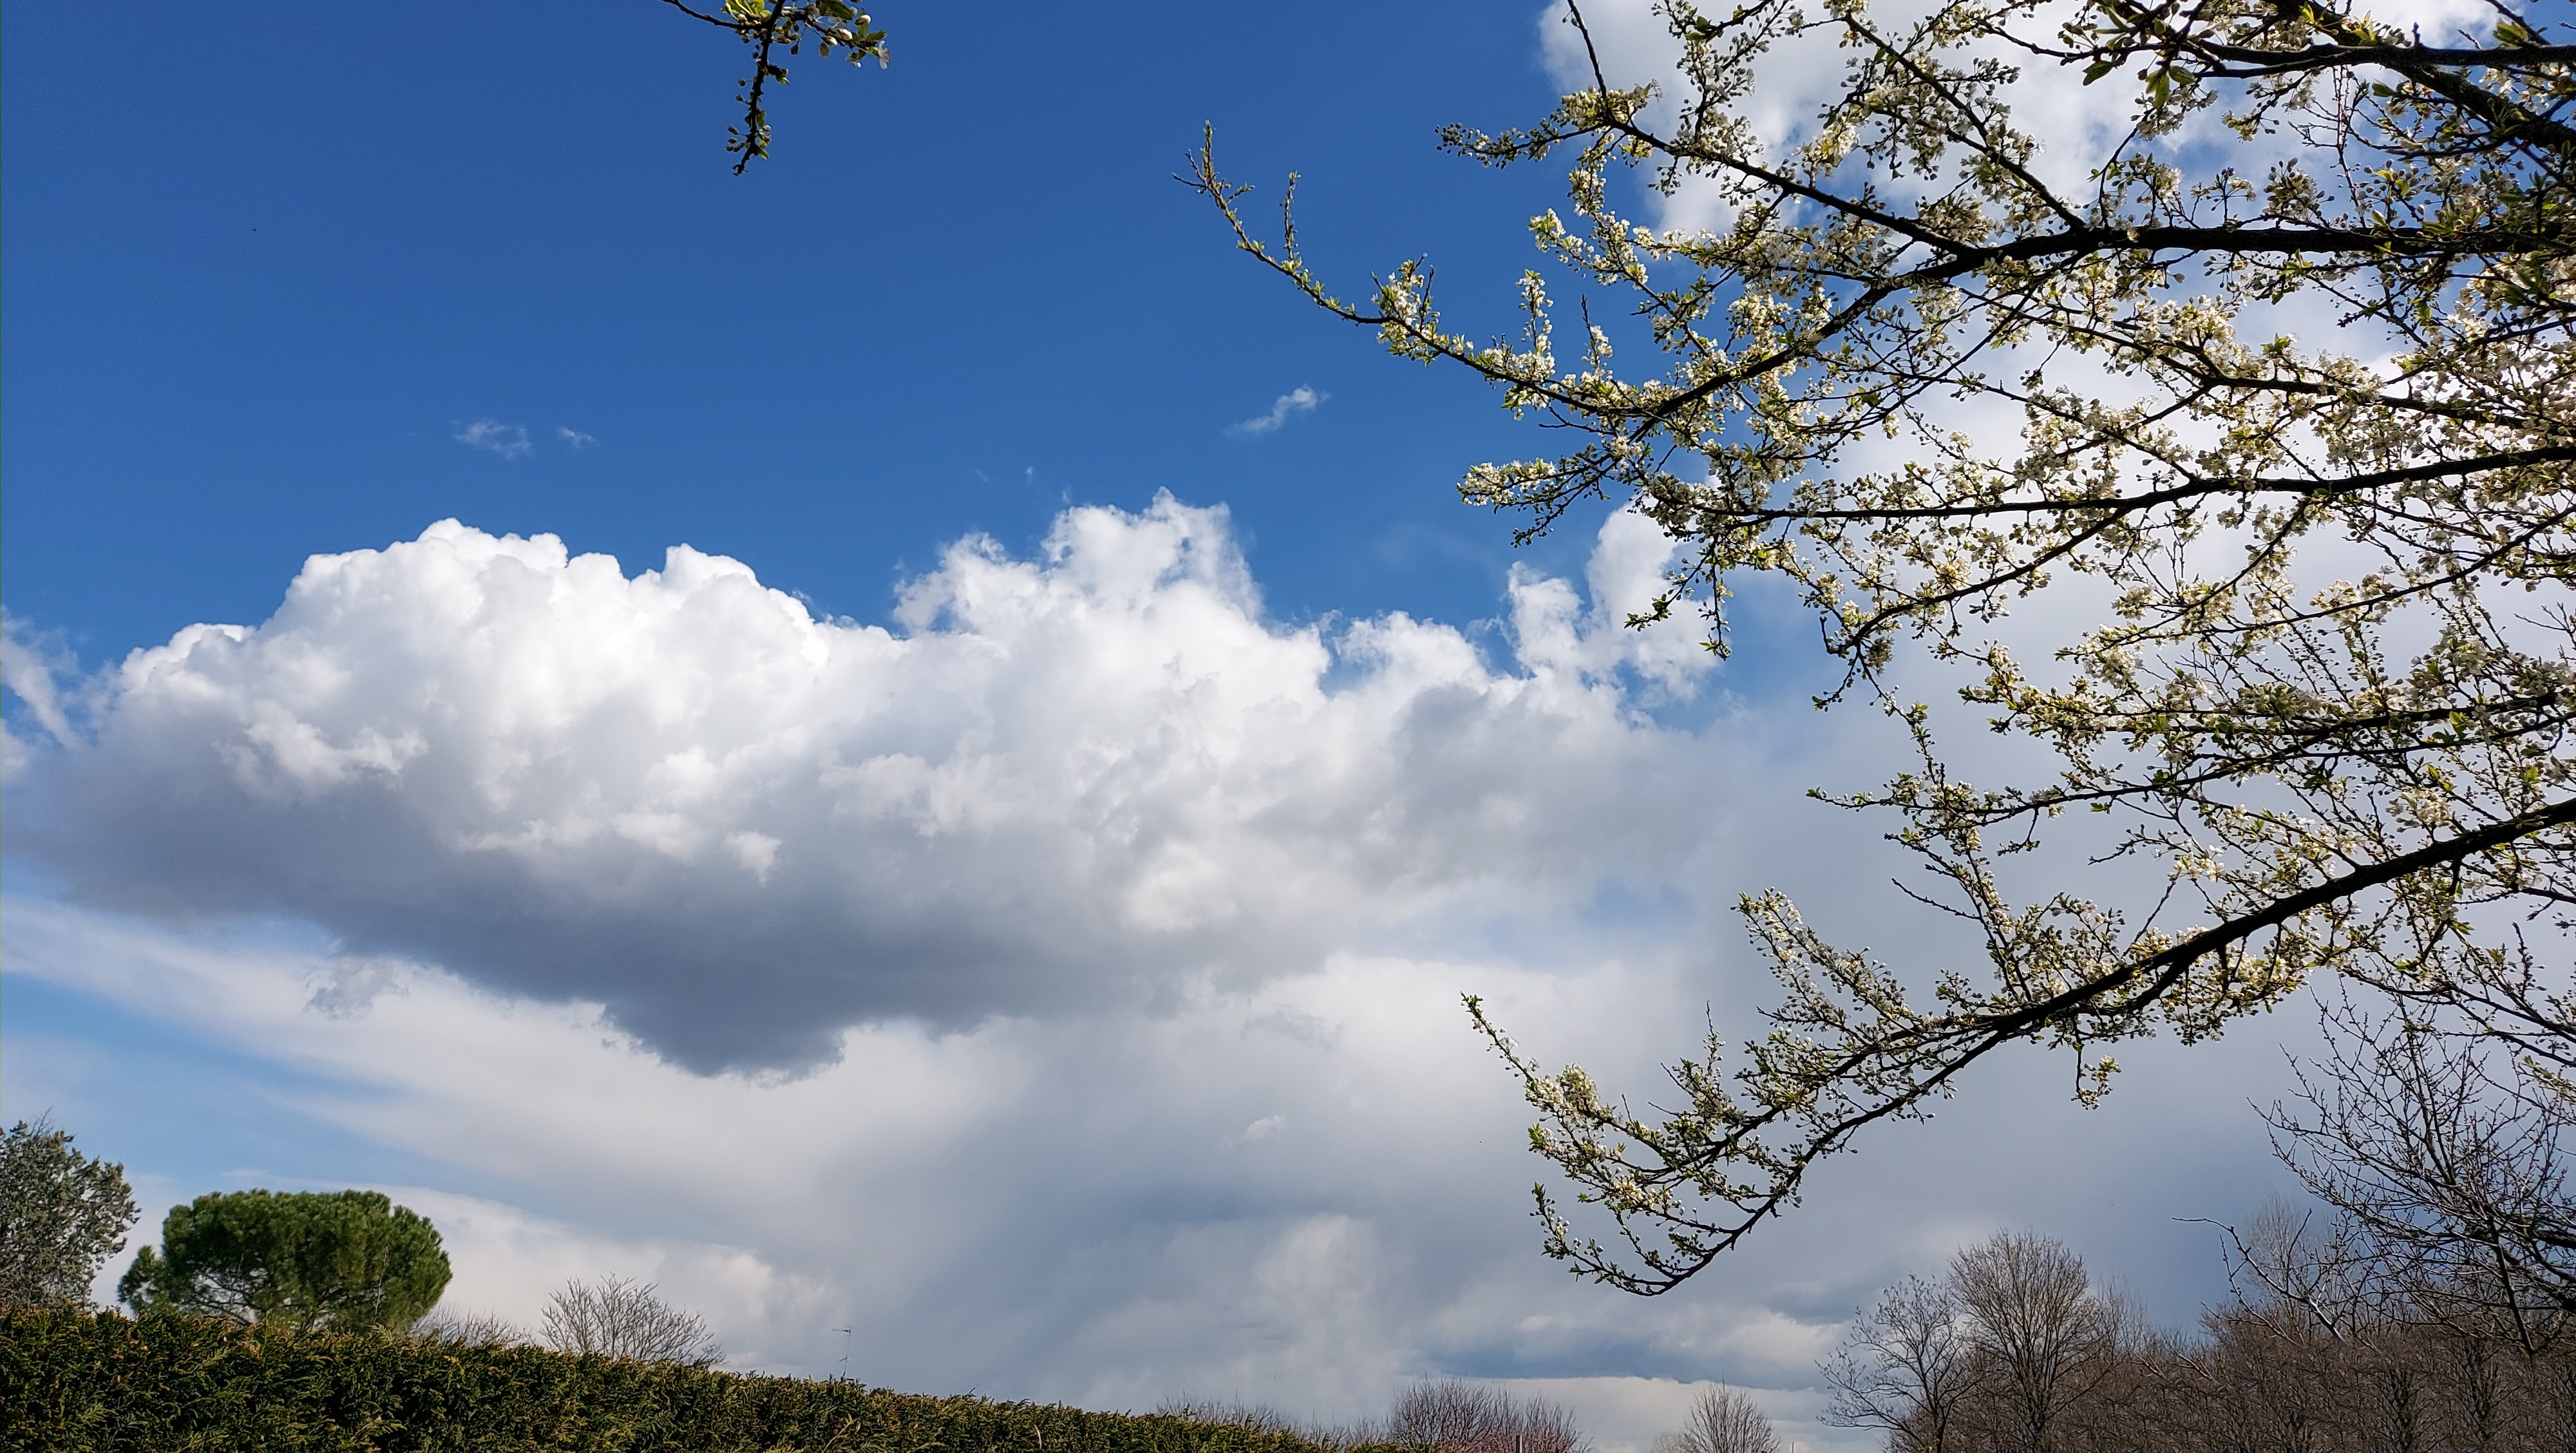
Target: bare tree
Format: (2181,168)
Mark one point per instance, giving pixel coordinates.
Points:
(2036,1324)
(1722,1420)
(618,1317)
(2394,1395)
(2301,1266)
(1461,1417)
(1250,1417)
(469,1329)
(2323,1370)
(2444,1151)
(1905,1368)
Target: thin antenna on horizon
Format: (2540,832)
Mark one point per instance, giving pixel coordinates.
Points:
(845,1353)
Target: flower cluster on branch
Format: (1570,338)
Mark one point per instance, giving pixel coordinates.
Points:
(2323,680)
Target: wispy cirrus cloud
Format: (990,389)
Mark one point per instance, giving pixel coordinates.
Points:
(1299,400)
(576,438)
(510,441)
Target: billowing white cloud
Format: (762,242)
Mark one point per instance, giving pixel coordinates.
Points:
(1096,776)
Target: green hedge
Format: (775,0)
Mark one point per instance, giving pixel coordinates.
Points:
(76,1380)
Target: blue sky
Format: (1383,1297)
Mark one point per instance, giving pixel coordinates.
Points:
(262,273)
(1042,954)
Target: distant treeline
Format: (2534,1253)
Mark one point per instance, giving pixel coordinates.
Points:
(2016,1351)
(72,1381)
(2249,1384)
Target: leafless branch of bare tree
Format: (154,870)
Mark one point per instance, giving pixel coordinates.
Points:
(1452,1416)
(1905,1368)
(470,1329)
(622,1318)
(2442,1151)
(1722,1420)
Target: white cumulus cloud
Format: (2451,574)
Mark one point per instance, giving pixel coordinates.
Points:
(1091,777)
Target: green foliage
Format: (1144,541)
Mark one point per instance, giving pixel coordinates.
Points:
(61,1214)
(73,1382)
(345,1259)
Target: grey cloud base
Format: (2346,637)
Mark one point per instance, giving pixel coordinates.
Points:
(1306,1193)
(1075,780)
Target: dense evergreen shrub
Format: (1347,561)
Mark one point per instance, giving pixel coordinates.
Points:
(73,1381)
